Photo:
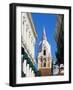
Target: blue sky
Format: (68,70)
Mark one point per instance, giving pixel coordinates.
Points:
(48,21)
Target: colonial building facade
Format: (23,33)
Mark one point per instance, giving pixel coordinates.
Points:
(28,38)
(44,56)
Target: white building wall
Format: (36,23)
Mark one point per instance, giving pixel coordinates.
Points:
(27,71)
(28,42)
(27,34)
(23,32)
(24,67)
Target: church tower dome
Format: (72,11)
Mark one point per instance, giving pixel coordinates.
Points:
(44,56)
(44,44)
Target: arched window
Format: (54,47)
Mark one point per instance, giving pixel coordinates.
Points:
(44,52)
(44,63)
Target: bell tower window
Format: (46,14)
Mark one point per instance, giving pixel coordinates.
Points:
(44,52)
(44,63)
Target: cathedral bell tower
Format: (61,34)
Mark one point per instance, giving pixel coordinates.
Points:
(44,56)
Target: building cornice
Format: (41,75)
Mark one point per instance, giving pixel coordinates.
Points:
(32,24)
